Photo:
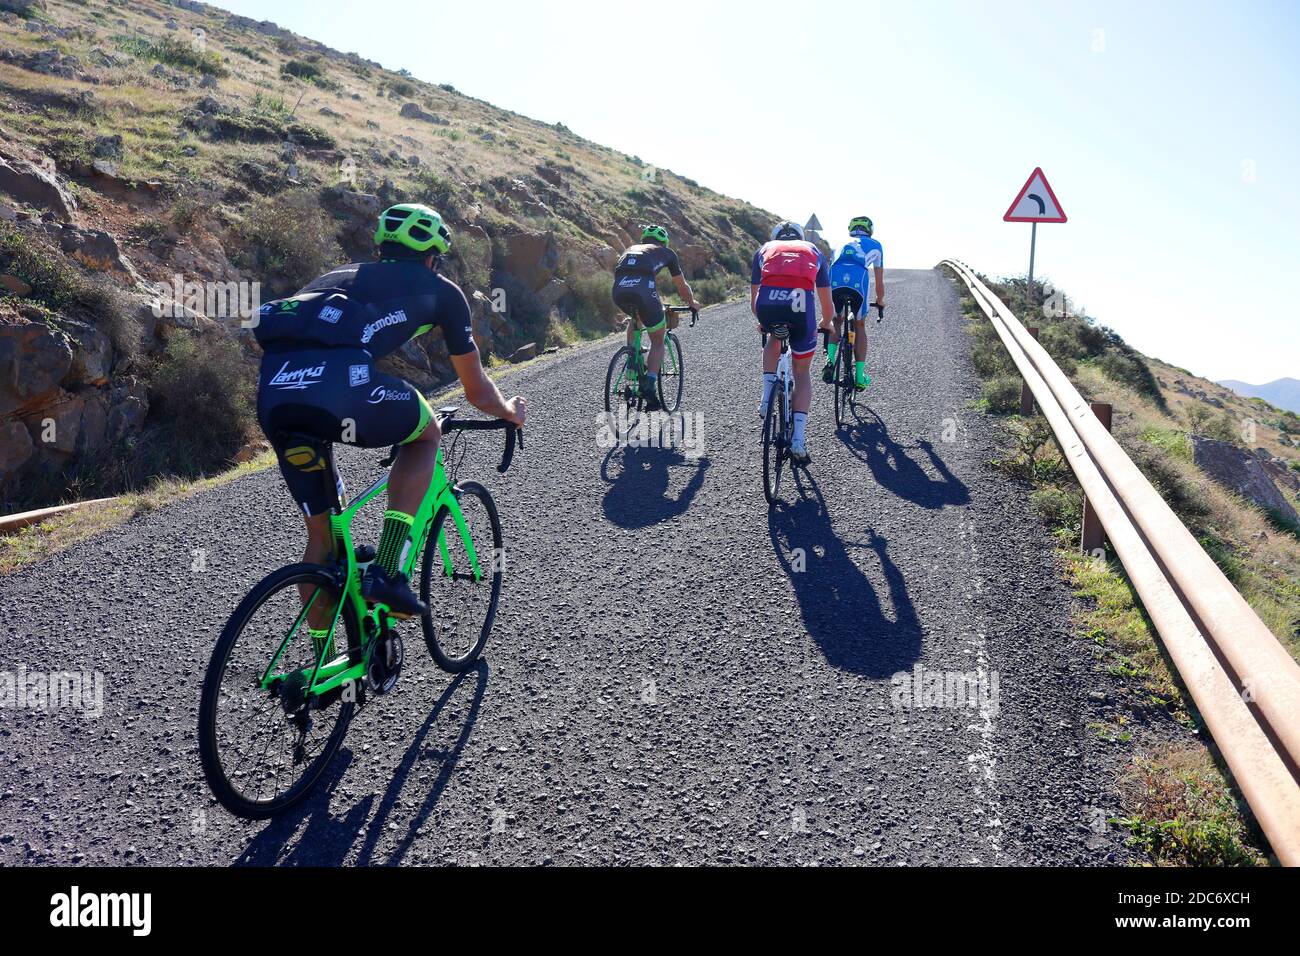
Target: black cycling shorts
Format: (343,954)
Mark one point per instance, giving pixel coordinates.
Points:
(846,297)
(331,395)
(637,296)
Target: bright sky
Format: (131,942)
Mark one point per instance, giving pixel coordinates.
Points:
(1168,131)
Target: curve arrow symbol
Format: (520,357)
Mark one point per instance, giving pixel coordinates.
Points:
(1042,206)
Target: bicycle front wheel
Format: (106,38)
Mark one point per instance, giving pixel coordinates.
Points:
(462,605)
(672,374)
(263,740)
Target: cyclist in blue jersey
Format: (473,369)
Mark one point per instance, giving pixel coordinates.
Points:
(859,260)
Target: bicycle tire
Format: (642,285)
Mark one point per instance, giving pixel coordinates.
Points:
(673,355)
(625,354)
(774,449)
(447,659)
(844,393)
(227,793)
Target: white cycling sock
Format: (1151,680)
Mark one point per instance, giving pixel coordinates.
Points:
(800,420)
(769,382)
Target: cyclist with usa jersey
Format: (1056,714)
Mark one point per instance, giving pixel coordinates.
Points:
(859,261)
(788,276)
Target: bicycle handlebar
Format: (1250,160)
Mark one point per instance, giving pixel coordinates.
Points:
(683,309)
(447,423)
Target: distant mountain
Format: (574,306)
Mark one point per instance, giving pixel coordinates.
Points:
(1284,393)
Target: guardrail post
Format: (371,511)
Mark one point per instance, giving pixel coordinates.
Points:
(1094,535)
(1026,396)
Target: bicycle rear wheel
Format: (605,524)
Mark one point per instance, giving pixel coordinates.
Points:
(672,374)
(774,445)
(462,608)
(620,381)
(256,735)
(844,384)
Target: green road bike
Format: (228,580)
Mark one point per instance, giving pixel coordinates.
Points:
(277,699)
(625,379)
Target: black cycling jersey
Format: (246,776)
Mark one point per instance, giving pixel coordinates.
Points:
(375,306)
(318,381)
(647,259)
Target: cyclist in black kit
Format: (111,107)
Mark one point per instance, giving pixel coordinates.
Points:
(318,379)
(636,295)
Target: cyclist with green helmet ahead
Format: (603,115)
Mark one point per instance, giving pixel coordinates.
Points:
(635,293)
(318,380)
(859,260)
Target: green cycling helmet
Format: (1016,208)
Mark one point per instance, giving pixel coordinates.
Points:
(863,223)
(414,226)
(655,234)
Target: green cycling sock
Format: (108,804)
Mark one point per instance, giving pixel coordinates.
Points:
(392,541)
(318,638)
(832,350)
(861,369)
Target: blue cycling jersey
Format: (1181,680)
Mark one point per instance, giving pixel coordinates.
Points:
(855,264)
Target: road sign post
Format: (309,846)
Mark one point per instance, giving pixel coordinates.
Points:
(1035,203)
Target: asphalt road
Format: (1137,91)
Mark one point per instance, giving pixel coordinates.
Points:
(677,675)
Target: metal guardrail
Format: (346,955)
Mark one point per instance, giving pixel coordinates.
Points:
(1245,684)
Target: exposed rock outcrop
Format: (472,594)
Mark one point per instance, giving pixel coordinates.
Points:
(1242,472)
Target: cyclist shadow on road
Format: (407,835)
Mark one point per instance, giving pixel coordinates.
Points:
(326,840)
(840,607)
(638,495)
(867,439)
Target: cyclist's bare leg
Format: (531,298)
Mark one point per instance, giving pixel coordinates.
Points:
(837,322)
(771,355)
(409,479)
(656,358)
(320,547)
(801,400)
(860,344)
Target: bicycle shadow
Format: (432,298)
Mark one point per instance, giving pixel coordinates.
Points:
(446,759)
(867,439)
(638,496)
(840,608)
(326,840)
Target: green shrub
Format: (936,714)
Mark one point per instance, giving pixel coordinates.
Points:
(201,387)
(591,302)
(1001,394)
(250,53)
(301,69)
(1061,507)
(1128,368)
(289,241)
(172,52)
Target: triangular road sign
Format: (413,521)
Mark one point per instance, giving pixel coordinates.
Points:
(814,224)
(1036,202)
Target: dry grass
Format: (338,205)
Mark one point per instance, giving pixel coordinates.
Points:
(1183,812)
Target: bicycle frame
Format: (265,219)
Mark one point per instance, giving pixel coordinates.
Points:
(331,675)
(785,377)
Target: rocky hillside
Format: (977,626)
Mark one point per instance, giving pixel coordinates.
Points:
(146,143)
